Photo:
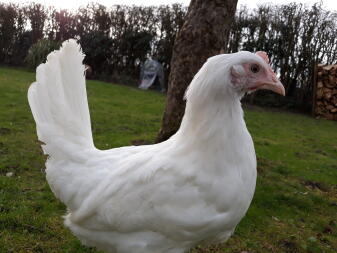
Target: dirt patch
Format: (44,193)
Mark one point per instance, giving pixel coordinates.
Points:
(289,246)
(301,154)
(4,130)
(264,164)
(3,149)
(318,151)
(315,185)
(140,142)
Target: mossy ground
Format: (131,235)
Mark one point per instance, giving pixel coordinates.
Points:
(294,208)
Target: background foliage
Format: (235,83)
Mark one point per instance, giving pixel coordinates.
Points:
(114,39)
(118,38)
(296,38)
(38,52)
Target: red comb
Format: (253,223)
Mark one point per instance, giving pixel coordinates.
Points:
(263,55)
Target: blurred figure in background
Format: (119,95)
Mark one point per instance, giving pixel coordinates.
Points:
(152,75)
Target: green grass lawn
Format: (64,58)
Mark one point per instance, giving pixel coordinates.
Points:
(295,204)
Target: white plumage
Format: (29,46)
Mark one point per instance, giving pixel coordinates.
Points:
(163,198)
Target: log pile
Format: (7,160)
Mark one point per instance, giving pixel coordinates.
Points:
(325,92)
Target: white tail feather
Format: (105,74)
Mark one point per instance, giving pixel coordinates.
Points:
(58,100)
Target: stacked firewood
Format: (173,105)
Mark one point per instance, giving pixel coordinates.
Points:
(325,92)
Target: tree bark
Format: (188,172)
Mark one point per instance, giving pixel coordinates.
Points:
(205,33)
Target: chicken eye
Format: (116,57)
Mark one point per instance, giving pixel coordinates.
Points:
(255,68)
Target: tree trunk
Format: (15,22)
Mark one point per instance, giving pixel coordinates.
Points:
(205,33)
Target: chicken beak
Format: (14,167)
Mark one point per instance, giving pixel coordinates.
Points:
(275,86)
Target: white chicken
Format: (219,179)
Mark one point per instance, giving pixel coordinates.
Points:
(161,198)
